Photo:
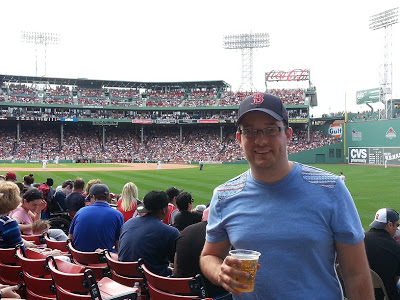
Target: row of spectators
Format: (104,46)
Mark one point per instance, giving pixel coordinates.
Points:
(59,113)
(123,144)
(124,97)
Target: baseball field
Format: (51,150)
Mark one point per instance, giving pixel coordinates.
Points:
(372,187)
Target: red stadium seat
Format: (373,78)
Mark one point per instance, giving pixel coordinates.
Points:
(160,295)
(94,260)
(59,245)
(10,271)
(75,279)
(37,239)
(36,276)
(190,286)
(125,273)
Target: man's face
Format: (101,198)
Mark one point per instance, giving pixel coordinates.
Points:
(392,228)
(264,151)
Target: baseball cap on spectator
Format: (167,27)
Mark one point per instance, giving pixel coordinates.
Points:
(49,181)
(153,201)
(266,103)
(99,189)
(384,216)
(173,192)
(200,208)
(11,176)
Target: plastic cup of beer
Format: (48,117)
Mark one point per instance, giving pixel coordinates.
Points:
(249,260)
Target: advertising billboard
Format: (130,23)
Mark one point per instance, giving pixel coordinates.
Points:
(374,155)
(367,96)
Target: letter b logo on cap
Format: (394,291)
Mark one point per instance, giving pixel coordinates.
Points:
(258,99)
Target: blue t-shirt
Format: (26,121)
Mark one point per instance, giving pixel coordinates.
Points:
(294,224)
(96,226)
(150,239)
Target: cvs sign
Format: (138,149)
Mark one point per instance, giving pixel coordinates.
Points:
(358,155)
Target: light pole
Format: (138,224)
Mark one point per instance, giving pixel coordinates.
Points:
(40,38)
(246,43)
(385,20)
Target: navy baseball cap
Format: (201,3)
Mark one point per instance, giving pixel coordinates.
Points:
(99,189)
(384,216)
(153,201)
(266,103)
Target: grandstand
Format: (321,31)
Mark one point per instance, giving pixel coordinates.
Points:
(86,120)
(82,120)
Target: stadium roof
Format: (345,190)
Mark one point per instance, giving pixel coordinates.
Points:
(94,83)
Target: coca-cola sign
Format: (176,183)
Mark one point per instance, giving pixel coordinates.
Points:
(294,75)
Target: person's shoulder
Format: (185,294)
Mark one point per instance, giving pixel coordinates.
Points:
(232,186)
(6,220)
(318,176)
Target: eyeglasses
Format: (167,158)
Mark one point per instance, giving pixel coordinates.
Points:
(396,224)
(267,131)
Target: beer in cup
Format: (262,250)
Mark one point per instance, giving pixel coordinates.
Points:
(249,260)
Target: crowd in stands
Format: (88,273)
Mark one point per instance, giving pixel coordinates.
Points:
(130,97)
(289,96)
(162,144)
(100,223)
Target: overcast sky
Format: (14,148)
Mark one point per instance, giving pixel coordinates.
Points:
(181,40)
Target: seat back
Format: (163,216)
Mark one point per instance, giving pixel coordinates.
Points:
(65,295)
(70,278)
(85,258)
(193,286)
(32,262)
(8,257)
(378,284)
(39,287)
(160,295)
(38,239)
(94,260)
(55,245)
(32,296)
(125,273)
(10,275)
(67,275)
(35,273)
(127,269)
(10,271)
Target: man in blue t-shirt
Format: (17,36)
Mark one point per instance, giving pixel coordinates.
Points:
(298,217)
(97,226)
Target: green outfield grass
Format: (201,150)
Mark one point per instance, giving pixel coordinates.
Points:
(372,187)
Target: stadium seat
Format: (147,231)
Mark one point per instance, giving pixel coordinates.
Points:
(125,273)
(378,284)
(59,245)
(190,286)
(37,239)
(36,276)
(95,260)
(160,295)
(9,269)
(71,279)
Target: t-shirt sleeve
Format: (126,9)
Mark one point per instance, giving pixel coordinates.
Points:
(346,224)
(215,230)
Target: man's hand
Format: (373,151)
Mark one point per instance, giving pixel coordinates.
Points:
(229,273)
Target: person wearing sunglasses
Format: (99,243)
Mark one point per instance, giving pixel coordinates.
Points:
(383,251)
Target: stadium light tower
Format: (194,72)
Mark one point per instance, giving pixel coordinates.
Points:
(246,43)
(40,38)
(385,20)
